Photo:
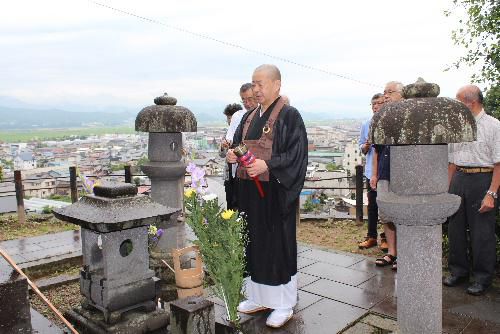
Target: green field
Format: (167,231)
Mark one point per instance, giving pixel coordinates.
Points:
(15,136)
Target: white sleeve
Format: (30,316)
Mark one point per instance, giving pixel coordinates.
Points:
(235,121)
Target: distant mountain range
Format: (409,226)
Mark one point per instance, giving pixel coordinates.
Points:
(15,114)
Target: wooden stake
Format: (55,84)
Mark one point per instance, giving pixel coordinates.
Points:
(169,267)
(38,292)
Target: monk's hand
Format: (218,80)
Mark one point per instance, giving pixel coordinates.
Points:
(231,157)
(487,204)
(256,168)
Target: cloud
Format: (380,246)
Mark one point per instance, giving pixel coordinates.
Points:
(78,52)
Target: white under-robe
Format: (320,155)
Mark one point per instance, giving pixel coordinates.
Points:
(282,296)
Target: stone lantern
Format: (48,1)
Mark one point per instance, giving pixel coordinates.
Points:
(418,202)
(165,121)
(115,277)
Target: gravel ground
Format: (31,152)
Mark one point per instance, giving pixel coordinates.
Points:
(62,297)
(343,235)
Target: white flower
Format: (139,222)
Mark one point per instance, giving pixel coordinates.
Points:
(209,197)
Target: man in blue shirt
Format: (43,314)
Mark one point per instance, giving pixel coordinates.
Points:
(367,149)
(381,176)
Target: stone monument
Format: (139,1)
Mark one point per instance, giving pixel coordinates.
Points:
(418,202)
(115,277)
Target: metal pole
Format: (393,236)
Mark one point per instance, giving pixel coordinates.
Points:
(359,194)
(128,174)
(72,184)
(18,182)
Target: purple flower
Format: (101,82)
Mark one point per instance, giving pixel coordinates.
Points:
(155,239)
(190,167)
(159,233)
(205,221)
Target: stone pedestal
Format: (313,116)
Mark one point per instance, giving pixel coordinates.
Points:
(419,288)
(192,315)
(418,204)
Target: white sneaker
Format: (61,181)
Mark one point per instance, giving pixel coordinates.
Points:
(248,307)
(279,317)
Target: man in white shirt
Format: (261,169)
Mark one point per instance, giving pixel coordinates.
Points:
(230,182)
(249,102)
(474,175)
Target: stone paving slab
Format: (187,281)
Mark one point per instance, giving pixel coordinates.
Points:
(454,324)
(337,259)
(329,316)
(306,299)
(380,284)
(305,279)
(303,262)
(482,310)
(42,325)
(387,307)
(43,249)
(344,293)
(337,273)
(481,327)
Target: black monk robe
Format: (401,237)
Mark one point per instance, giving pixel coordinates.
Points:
(272,248)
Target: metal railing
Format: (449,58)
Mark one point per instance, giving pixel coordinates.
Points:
(19,189)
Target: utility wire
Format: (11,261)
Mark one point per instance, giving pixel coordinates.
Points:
(236,46)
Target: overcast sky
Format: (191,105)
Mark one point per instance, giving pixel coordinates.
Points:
(74,53)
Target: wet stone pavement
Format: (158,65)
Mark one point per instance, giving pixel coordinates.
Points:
(347,293)
(44,249)
(338,292)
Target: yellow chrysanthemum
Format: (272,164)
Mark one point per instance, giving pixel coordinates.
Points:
(227,214)
(189,192)
(152,229)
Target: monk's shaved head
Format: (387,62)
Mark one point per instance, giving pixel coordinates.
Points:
(272,71)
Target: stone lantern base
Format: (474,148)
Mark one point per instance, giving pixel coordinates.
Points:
(89,321)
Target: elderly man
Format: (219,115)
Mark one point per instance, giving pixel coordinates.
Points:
(230,180)
(366,148)
(276,135)
(474,175)
(393,92)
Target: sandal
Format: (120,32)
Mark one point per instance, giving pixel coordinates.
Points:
(382,262)
(395,265)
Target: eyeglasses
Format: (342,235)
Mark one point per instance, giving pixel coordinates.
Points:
(247,99)
(377,103)
(388,92)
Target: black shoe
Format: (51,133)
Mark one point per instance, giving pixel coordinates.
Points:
(477,289)
(453,280)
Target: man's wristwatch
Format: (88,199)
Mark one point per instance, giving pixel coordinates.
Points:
(492,194)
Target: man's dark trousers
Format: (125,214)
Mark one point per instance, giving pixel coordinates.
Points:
(472,187)
(372,211)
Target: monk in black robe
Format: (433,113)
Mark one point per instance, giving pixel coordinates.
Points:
(276,135)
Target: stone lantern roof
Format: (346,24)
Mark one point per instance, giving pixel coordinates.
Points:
(423,118)
(165,116)
(114,207)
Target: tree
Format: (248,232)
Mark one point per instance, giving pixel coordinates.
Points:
(331,166)
(492,101)
(137,181)
(479,33)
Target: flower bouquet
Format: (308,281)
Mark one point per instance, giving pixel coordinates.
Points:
(154,235)
(222,239)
